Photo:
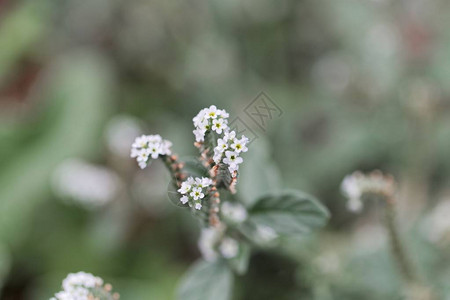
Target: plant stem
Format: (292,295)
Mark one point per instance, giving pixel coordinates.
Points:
(399,252)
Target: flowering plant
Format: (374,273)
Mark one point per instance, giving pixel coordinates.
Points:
(231,228)
(85,286)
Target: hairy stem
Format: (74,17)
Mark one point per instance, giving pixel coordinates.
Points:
(399,252)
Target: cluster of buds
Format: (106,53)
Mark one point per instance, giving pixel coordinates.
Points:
(356,185)
(194,190)
(85,286)
(214,243)
(149,146)
(210,119)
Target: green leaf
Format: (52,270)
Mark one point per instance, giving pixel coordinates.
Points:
(289,213)
(174,196)
(76,97)
(193,167)
(258,174)
(207,281)
(240,263)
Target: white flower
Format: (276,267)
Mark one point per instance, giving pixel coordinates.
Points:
(234,212)
(222,145)
(184,199)
(211,112)
(230,136)
(223,113)
(185,187)
(209,237)
(265,234)
(206,181)
(240,145)
(232,158)
(213,243)
(197,193)
(219,125)
(140,142)
(199,134)
(165,147)
(229,247)
(199,118)
(198,206)
(147,146)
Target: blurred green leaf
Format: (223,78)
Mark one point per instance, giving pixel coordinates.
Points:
(207,281)
(289,213)
(5,264)
(77,91)
(19,31)
(173,195)
(240,263)
(258,174)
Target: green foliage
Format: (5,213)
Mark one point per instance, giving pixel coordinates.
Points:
(207,280)
(289,213)
(76,104)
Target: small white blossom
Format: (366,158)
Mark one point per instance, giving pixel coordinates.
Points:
(229,248)
(209,237)
(194,190)
(232,158)
(354,186)
(218,125)
(147,146)
(234,212)
(185,187)
(213,244)
(210,119)
(240,145)
(184,199)
(197,194)
(265,234)
(230,136)
(199,134)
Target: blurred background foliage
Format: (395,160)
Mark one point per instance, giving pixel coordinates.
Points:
(363,84)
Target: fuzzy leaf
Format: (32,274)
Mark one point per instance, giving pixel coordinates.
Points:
(240,263)
(193,167)
(289,213)
(174,196)
(207,280)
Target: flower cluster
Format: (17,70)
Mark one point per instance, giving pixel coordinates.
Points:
(234,212)
(213,243)
(194,190)
(84,286)
(85,183)
(354,186)
(210,119)
(147,146)
(229,149)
